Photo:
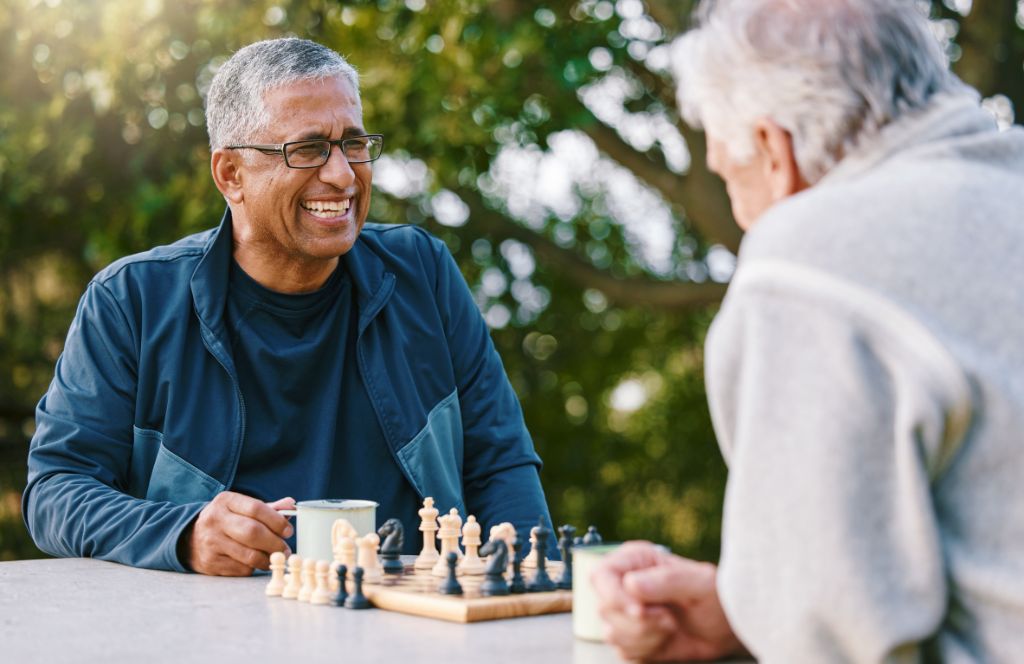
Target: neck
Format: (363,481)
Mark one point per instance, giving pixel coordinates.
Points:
(284,275)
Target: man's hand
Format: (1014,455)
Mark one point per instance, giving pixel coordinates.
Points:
(235,534)
(657,606)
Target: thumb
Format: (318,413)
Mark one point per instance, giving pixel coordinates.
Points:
(282,504)
(676,581)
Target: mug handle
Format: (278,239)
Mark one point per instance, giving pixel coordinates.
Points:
(288,512)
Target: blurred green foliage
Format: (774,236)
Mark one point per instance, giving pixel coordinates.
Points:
(103,153)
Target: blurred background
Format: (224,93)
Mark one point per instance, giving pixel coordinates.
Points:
(539,140)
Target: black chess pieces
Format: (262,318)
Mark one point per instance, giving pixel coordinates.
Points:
(451,586)
(357,600)
(392,536)
(518,585)
(338,598)
(592,536)
(541,581)
(494,576)
(565,543)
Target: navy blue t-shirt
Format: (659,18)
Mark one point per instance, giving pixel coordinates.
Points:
(310,429)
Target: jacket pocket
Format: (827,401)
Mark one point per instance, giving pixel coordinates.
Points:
(160,475)
(432,460)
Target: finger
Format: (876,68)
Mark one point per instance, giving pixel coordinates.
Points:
(636,639)
(246,556)
(260,511)
(252,534)
(607,584)
(676,581)
(632,555)
(282,504)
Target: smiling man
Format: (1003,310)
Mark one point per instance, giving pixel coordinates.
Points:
(293,353)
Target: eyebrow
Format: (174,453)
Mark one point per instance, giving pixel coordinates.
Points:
(348,133)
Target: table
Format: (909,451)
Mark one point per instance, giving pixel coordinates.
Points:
(83,610)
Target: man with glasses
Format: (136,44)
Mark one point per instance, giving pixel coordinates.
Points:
(292,353)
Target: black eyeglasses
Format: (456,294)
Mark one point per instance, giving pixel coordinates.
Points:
(315,153)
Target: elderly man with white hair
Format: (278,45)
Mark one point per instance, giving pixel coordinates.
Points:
(865,373)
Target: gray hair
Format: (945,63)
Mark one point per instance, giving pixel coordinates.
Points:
(830,72)
(235,112)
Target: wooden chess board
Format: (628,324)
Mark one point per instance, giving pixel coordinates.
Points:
(415,592)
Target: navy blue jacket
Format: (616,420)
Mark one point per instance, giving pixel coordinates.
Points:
(144,421)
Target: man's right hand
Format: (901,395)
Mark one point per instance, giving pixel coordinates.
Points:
(235,534)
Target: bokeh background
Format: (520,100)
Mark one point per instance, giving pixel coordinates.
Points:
(539,140)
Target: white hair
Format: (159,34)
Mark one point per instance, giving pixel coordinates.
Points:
(235,110)
(830,72)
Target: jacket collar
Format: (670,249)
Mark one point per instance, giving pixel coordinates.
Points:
(209,284)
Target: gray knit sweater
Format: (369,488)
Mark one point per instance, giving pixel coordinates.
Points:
(866,381)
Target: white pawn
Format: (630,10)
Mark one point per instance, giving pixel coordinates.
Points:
(321,595)
(471,564)
(428,526)
(308,580)
(276,585)
(293,582)
(451,525)
(368,560)
(530,561)
(343,543)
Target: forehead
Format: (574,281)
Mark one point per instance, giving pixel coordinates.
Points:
(313,108)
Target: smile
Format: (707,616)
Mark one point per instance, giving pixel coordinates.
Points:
(327,209)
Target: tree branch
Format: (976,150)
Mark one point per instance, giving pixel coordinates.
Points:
(624,292)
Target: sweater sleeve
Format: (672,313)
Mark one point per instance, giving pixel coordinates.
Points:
(76,502)
(836,411)
(500,474)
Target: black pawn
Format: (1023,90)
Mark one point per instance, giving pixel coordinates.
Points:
(338,599)
(541,581)
(592,536)
(518,584)
(357,600)
(451,585)
(565,543)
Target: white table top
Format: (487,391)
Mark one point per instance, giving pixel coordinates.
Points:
(82,610)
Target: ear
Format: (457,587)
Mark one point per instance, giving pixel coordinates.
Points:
(227,169)
(781,172)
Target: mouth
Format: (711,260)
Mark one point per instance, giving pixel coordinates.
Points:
(327,210)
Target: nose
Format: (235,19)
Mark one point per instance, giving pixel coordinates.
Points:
(337,171)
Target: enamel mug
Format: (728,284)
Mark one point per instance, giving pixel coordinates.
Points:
(314,519)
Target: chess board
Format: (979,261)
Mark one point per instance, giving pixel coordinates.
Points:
(415,592)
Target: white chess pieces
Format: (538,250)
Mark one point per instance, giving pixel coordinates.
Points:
(293,582)
(367,558)
(321,595)
(428,526)
(343,543)
(451,526)
(530,561)
(276,585)
(471,564)
(308,580)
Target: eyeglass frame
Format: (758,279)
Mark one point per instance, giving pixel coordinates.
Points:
(281,149)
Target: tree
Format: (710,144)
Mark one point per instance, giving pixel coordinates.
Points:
(540,141)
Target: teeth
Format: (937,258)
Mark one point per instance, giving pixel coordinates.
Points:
(327,208)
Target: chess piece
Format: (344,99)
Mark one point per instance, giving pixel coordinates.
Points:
(530,561)
(472,564)
(507,532)
(428,556)
(592,536)
(451,526)
(343,542)
(341,592)
(308,580)
(276,585)
(541,581)
(367,559)
(392,532)
(451,585)
(321,595)
(518,585)
(497,562)
(565,543)
(332,577)
(357,600)
(293,582)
